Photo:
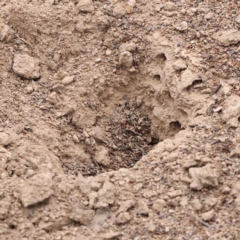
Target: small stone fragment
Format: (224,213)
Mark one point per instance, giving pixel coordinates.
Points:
(68,80)
(102,156)
(231,107)
(106,195)
(85,6)
(143,208)
(129,47)
(6,33)
(119,10)
(123,217)
(227,37)
(111,236)
(93,197)
(126,59)
(82,216)
(125,206)
(196,204)
(151,227)
(182,26)
(4,208)
(84,185)
(158,205)
(210,202)
(4,139)
(36,189)
(26,66)
(175,193)
(207,216)
(179,65)
(209,15)
(204,176)
(238,19)
(236,189)
(169,6)
(98,135)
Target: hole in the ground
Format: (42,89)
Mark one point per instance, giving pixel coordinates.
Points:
(161,58)
(157,77)
(126,129)
(174,127)
(196,84)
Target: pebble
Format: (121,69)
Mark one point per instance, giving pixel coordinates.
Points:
(207,216)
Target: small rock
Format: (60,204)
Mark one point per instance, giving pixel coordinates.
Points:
(182,26)
(119,10)
(196,204)
(207,216)
(93,197)
(111,236)
(6,33)
(184,201)
(36,189)
(143,208)
(129,47)
(95,186)
(55,225)
(4,139)
(26,66)
(82,216)
(179,65)
(85,6)
(106,195)
(204,176)
(226,190)
(108,52)
(151,227)
(169,6)
(158,205)
(238,19)
(175,193)
(102,156)
(236,189)
(231,107)
(209,16)
(68,109)
(125,206)
(123,217)
(75,138)
(4,208)
(84,185)
(210,202)
(68,80)
(58,88)
(126,59)
(227,37)
(98,135)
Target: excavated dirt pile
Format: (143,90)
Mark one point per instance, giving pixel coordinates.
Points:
(119,119)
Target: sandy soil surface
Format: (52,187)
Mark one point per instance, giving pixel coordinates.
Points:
(119,119)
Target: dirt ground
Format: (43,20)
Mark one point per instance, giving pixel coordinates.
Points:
(119,119)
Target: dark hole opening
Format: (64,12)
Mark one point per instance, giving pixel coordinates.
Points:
(161,58)
(195,83)
(175,127)
(157,77)
(154,141)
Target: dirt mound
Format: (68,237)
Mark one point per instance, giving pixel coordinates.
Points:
(119,119)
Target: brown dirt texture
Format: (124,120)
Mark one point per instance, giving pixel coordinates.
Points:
(120,119)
